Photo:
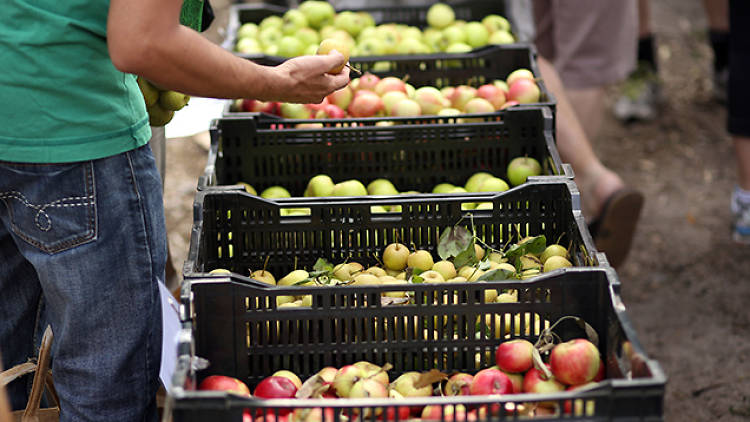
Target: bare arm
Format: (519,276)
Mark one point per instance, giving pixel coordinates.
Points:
(144,37)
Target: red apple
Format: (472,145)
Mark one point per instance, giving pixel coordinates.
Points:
(493,94)
(446,413)
(369,388)
(224,383)
(575,362)
(270,107)
(491,381)
(330,111)
(514,355)
(508,104)
(365,104)
(275,387)
(430,100)
(461,95)
(534,382)
(313,414)
(458,385)
(400,412)
(368,81)
(478,105)
(601,374)
(390,83)
(248,104)
(524,91)
(290,375)
(345,378)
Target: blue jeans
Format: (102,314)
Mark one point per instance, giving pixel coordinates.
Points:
(90,239)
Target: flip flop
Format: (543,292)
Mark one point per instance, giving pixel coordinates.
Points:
(613,230)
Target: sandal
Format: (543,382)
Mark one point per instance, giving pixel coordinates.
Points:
(614,228)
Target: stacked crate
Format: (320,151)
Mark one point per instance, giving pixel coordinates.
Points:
(236,323)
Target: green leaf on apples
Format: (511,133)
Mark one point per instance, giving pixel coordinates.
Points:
(453,241)
(484,264)
(466,257)
(413,275)
(322,265)
(497,275)
(534,245)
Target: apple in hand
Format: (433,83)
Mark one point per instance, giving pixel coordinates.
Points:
(514,355)
(520,168)
(328,45)
(224,383)
(575,362)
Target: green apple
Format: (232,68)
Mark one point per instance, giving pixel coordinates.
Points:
(432,276)
(440,15)
(371,47)
(308,37)
(320,185)
(495,23)
(365,279)
(263,276)
(520,168)
(150,93)
(389,35)
(411,32)
(275,192)
(269,36)
(248,46)
(501,37)
(390,99)
(290,46)
(553,250)
(293,278)
(248,30)
(443,188)
(342,272)
(339,44)
(445,268)
(158,115)
(381,187)
(350,22)
(476,34)
(248,188)
(493,184)
(294,111)
(411,46)
(349,188)
(317,12)
(293,20)
(173,100)
(452,35)
(272,21)
(472,184)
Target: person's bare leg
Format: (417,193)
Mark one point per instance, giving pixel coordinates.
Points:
(742,152)
(717,13)
(595,181)
(588,104)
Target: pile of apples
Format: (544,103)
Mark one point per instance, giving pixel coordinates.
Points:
(161,104)
(372,96)
(300,29)
(400,265)
(518,171)
(571,365)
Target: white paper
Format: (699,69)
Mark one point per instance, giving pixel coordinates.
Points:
(195,117)
(170,329)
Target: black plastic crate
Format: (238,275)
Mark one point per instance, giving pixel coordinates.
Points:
(237,231)
(413,15)
(474,68)
(229,324)
(414,154)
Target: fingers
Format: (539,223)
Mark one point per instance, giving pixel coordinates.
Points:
(340,79)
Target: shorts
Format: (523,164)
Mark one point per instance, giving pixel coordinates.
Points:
(738,110)
(591,43)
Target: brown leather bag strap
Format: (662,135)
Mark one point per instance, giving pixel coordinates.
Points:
(6,377)
(40,377)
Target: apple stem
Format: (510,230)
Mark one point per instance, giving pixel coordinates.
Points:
(265,264)
(354,69)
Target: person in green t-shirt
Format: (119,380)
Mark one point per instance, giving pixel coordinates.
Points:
(81,218)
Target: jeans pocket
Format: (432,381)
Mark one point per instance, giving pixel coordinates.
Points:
(50,206)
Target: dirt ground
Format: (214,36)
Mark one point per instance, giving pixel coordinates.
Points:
(686,285)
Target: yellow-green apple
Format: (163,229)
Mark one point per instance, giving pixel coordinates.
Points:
(349,21)
(222,271)
(411,46)
(292,21)
(490,381)
(458,385)
(440,15)
(475,180)
(389,83)
(453,35)
(263,276)
(369,388)
(514,355)
(555,262)
(370,47)
(478,105)
(520,168)
(406,107)
(575,362)
(342,272)
(420,259)
(520,73)
(365,279)
(173,100)
(370,370)
(291,46)
(269,36)
(317,12)
(293,278)
(517,380)
(493,184)
(308,37)
(381,186)
(442,188)
(272,21)
(294,111)
(476,34)
(461,95)
(553,250)
(494,22)
(502,85)
(350,187)
(320,185)
(430,100)
(395,256)
(405,385)
(341,97)
(247,30)
(330,111)
(535,382)
(330,44)
(275,192)
(432,276)
(248,46)
(390,99)
(501,37)
(445,268)
(376,271)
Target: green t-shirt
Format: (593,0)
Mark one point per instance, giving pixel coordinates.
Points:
(61,98)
